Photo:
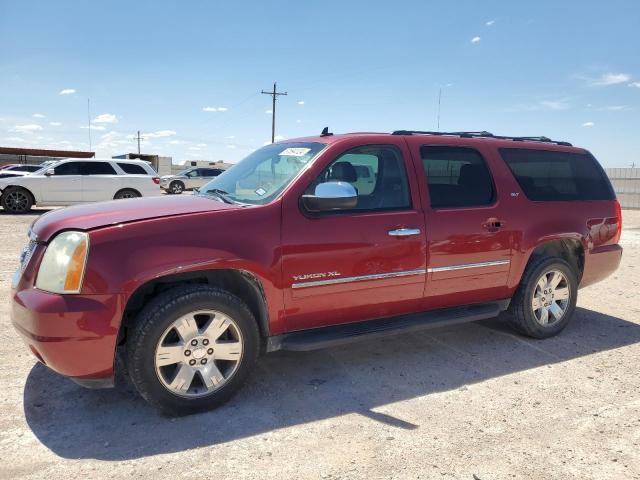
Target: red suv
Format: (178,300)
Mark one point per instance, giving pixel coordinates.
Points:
(311,243)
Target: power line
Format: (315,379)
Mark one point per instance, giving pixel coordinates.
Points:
(274,95)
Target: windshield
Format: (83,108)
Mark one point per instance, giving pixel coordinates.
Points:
(45,166)
(261,176)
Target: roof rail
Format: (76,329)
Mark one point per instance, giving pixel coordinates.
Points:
(483,134)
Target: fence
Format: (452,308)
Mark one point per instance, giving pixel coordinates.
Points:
(626,183)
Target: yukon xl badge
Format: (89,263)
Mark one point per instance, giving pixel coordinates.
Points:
(315,276)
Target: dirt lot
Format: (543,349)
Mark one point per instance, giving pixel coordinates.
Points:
(472,401)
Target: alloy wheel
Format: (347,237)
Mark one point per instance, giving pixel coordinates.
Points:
(17,201)
(198,353)
(551,298)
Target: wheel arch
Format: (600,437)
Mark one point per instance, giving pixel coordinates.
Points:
(570,248)
(238,282)
(26,189)
(124,189)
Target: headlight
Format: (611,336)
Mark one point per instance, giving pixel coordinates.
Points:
(63,264)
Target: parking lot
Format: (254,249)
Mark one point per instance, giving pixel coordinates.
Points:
(472,401)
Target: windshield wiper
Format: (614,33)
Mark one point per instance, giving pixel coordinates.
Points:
(219,193)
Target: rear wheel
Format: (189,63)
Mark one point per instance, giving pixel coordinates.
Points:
(546,298)
(16,200)
(176,187)
(192,348)
(127,193)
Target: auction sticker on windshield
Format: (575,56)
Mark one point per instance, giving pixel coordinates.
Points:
(294,152)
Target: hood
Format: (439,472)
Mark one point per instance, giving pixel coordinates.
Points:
(102,214)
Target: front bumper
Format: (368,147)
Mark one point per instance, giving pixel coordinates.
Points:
(74,335)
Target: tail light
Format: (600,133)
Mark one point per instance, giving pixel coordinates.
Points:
(616,237)
(156,180)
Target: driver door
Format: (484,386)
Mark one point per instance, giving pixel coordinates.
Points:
(64,186)
(367,262)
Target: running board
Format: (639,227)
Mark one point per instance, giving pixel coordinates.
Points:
(324,337)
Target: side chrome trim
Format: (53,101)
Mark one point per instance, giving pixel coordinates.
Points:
(468,265)
(361,278)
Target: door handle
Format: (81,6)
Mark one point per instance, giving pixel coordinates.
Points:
(404,232)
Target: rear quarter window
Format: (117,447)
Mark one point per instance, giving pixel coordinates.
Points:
(132,169)
(549,176)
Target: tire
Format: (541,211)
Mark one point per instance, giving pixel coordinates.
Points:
(159,356)
(537,285)
(16,200)
(176,187)
(126,193)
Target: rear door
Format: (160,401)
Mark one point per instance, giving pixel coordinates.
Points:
(100,181)
(468,232)
(368,262)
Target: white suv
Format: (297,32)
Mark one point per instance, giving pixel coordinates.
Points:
(73,181)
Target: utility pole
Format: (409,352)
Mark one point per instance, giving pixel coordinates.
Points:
(89,120)
(273,94)
(138,138)
(439,100)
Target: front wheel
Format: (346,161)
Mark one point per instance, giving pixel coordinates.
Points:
(16,200)
(546,298)
(192,348)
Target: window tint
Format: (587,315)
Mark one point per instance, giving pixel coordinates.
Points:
(376,172)
(96,168)
(132,168)
(556,176)
(457,177)
(68,168)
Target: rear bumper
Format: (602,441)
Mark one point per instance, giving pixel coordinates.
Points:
(600,263)
(74,335)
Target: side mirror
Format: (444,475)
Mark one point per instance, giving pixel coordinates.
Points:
(50,171)
(331,196)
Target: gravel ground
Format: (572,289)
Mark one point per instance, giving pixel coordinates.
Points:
(470,402)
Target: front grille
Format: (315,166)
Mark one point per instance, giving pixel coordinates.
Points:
(27,252)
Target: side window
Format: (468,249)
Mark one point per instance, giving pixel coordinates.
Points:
(96,168)
(132,168)
(68,168)
(457,177)
(191,173)
(547,175)
(377,173)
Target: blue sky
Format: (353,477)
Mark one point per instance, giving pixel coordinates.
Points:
(188,74)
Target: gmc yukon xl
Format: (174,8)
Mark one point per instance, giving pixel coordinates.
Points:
(311,243)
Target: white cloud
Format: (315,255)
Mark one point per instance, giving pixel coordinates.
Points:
(194,148)
(30,128)
(38,115)
(95,127)
(231,147)
(222,109)
(55,124)
(268,111)
(301,102)
(14,140)
(490,22)
(475,39)
(635,84)
(588,124)
(202,145)
(67,91)
(175,142)
(555,104)
(612,79)
(214,109)
(279,137)
(106,118)
(616,108)
(159,134)
(230,137)
(298,121)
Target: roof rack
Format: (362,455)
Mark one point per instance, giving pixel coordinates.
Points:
(482,134)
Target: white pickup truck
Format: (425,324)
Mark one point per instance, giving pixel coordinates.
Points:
(72,181)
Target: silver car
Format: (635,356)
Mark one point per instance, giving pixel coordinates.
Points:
(189,179)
